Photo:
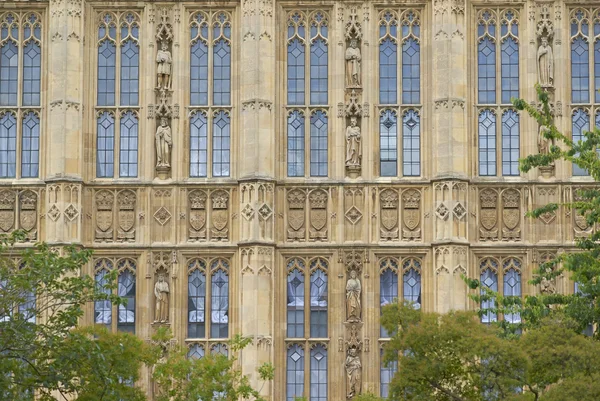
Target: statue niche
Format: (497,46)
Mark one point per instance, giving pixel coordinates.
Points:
(353,294)
(163,67)
(164,142)
(353,60)
(545,64)
(353,368)
(161,295)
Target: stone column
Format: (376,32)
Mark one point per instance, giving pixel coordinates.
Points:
(256,168)
(64,155)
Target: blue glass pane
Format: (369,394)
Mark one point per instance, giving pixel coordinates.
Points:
(130,66)
(486,71)
(318,373)
(580,71)
(30,147)
(294,373)
(9,66)
(221,144)
(196,304)
(128,153)
(318,304)
(510,143)
(32,62)
(388,72)
(318,144)
(411,72)
(198,145)
(8,145)
(411,144)
(295,304)
(318,72)
(219,301)
(580,124)
(487,143)
(222,73)
(106,73)
(105,145)
(295,72)
(295,144)
(489,279)
(388,292)
(199,74)
(509,70)
(388,144)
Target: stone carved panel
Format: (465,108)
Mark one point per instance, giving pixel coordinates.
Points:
(115,215)
(581,228)
(296,215)
(411,215)
(219,215)
(451,262)
(28,214)
(197,201)
(354,206)
(317,200)
(307,212)
(500,215)
(389,202)
(7,210)
(450,208)
(400,211)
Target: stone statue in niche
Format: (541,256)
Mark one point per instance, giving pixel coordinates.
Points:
(353,59)
(164,141)
(353,373)
(353,291)
(163,68)
(353,144)
(161,292)
(545,61)
(543,142)
(547,287)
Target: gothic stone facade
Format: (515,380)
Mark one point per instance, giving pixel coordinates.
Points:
(283,168)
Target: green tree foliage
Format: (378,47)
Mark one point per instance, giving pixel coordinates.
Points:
(42,298)
(453,357)
(212,377)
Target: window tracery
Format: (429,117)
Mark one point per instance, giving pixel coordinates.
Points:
(399,70)
(20,94)
(210,94)
(307,30)
(504,277)
(498,82)
(117,101)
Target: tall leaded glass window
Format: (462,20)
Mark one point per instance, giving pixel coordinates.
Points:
(580,56)
(497,83)
(489,280)
(295,372)
(126,290)
(387,372)
(307,72)
(580,123)
(318,373)
(103,309)
(196,351)
(208,298)
(20,94)
(117,99)
(399,72)
(196,299)
(28,308)
(390,289)
(307,321)
(219,299)
(512,285)
(210,94)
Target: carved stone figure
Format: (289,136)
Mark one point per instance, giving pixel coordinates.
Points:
(547,286)
(545,60)
(353,290)
(161,292)
(353,144)
(353,373)
(353,59)
(543,142)
(164,141)
(163,68)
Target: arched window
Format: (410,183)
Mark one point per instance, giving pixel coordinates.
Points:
(117,99)
(412,281)
(580,123)
(388,286)
(219,327)
(196,299)
(512,285)
(510,142)
(28,308)
(408,61)
(580,61)
(198,144)
(487,142)
(196,351)
(318,373)
(307,71)
(387,372)
(294,372)
(497,83)
(489,279)
(126,290)
(20,55)
(103,309)
(295,298)
(222,59)
(221,144)
(318,298)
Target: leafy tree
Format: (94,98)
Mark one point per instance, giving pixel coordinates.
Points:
(453,357)
(42,298)
(178,377)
